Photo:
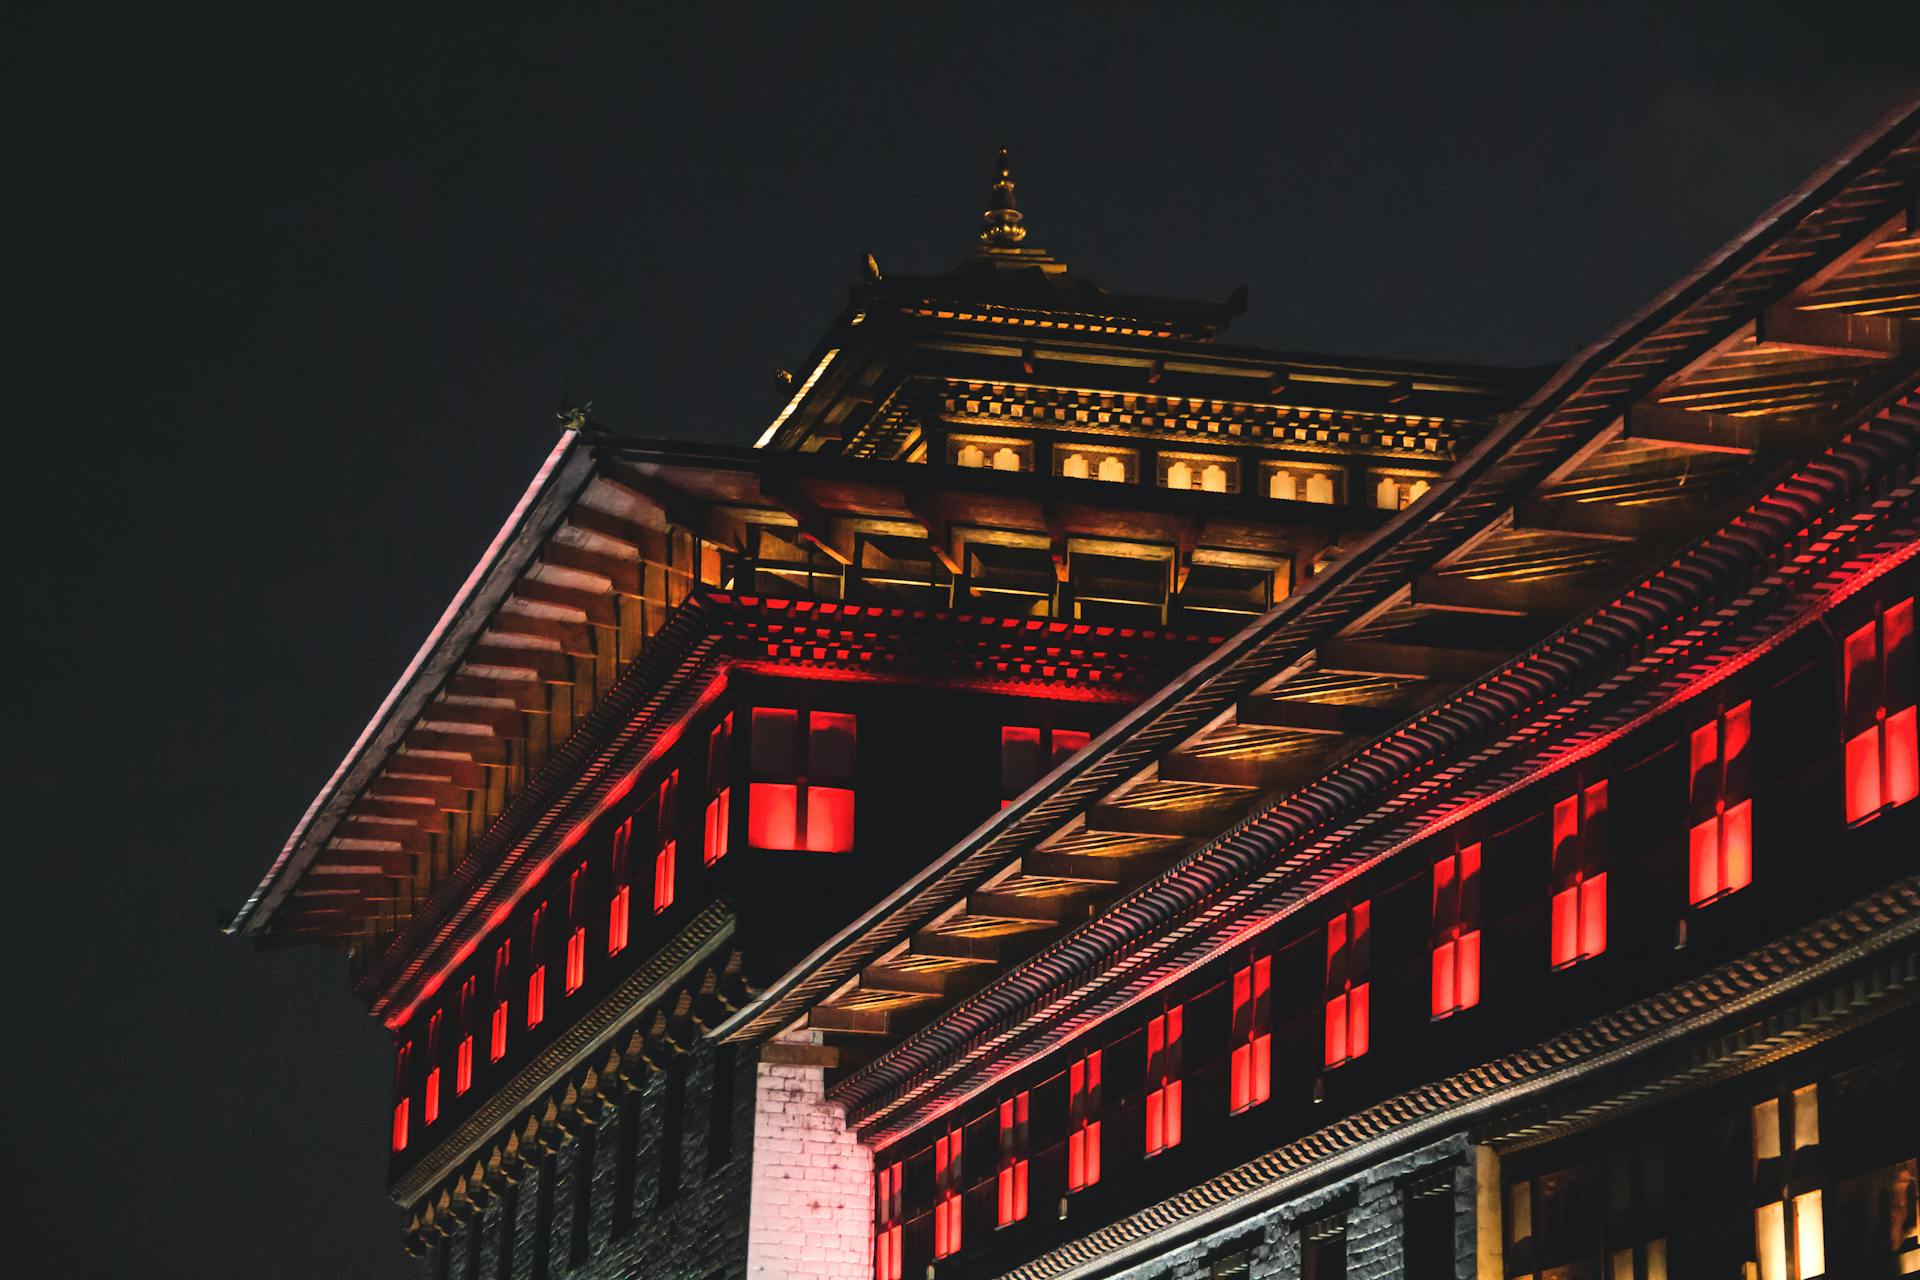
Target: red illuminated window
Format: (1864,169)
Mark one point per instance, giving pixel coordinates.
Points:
(576,959)
(1720,807)
(665,847)
(1455,938)
(1027,754)
(463,1053)
(1882,757)
(713,843)
(946,1185)
(402,1061)
(801,794)
(1011,1184)
(663,878)
(537,980)
(537,996)
(576,973)
(430,1093)
(1349,941)
(1250,1069)
(1163,1080)
(886,1223)
(718,817)
(620,908)
(1579,918)
(1083,1122)
(497,1041)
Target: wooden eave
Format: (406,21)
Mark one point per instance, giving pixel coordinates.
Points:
(548,600)
(876,358)
(1359,635)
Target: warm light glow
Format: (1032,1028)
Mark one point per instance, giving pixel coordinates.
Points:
(537,996)
(400,1125)
(1766,1130)
(1809,1235)
(532,878)
(1881,751)
(773,428)
(1348,990)
(463,1066)
(1579,903)
(771,815)
(1806,1117)
(802,797)
(576,959)
(1456,932)
(1011,1181)
(1083,1120)
(1164,1121)
(829,819)
(713,845)
(1720,841)
(1250,1067)
(430,1097)
(663,876)
(1770,1240)
(497,1043)
(619,919)
(886,1235)
(946,1178)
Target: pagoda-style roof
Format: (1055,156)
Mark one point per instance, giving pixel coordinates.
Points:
(608,588)
(920,423)
(1014,316)
(1009,281)
(1727,444)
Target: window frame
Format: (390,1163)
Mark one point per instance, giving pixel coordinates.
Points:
(807,787)
(1163,1110)
(1879,753)
(1454,934)
(1250,1061)
(1577,902)
(1349,987)
(1720,805)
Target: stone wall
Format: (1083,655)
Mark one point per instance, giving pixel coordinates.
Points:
(696,1233)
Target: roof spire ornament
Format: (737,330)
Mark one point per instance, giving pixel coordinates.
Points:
(1000,225)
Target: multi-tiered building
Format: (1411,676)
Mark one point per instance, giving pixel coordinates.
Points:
(1083,798)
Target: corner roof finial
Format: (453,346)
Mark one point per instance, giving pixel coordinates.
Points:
(1000,225)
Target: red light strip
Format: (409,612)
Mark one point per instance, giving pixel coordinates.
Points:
(1074,1025)
(578,832)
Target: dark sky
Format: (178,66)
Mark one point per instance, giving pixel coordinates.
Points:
(303,298)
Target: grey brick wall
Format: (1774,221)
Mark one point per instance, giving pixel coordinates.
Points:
(1373,1205)
(700,1234)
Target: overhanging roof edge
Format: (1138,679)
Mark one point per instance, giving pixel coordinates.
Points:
(785,997)
(559,480)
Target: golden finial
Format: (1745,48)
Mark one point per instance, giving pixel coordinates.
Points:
(1000,225)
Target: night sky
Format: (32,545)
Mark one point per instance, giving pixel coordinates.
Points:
(302,300)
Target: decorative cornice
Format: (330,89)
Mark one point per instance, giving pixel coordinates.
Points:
(1731,597)
(1882,926)
(646,989)
(1591,391)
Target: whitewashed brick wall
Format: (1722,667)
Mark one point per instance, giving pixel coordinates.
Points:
(812,1194)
